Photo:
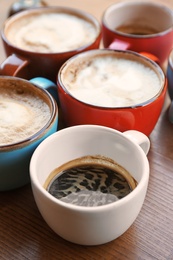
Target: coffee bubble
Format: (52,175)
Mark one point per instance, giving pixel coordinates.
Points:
(23,113)
(51,32)
(110,81)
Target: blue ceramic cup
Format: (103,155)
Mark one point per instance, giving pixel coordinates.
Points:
(170,84)
(28,115)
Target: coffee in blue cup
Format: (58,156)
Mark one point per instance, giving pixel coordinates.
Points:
(28,114)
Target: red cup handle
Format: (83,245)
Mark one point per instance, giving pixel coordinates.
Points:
(13,65)
(150,56)
(122,45)
(119,45)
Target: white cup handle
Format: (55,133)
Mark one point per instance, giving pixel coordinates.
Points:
(141,139)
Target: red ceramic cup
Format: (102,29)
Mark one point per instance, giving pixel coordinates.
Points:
(143,27)
(33,62)
(121,82)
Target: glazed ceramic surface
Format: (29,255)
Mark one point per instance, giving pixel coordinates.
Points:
(15,157)
(75,112)
(170,84)
(28,64)
(156,45)
(90,225)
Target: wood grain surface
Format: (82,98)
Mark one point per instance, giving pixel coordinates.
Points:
(25,235)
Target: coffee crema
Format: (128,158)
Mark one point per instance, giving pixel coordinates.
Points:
(23,112)
(106,80)
(90,181)
(137,29)
(51,32)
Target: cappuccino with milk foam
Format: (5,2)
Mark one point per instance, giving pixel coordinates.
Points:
(108,80)
(51,32)
(23,112)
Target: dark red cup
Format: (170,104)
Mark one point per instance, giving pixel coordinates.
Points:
(143,27)
(140,116)
(28,64)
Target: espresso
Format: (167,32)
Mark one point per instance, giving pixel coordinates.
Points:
(90,181)
(51,32)
(23,111)
(136,29)
(109,80)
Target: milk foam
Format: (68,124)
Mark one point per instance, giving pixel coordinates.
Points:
(51,32)
(22,114)
(14,114)
(111,82)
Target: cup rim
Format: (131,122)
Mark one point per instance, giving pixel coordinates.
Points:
(52,9)
(42,146)
(131,3)
(170,59)
(127,52)
(32,138)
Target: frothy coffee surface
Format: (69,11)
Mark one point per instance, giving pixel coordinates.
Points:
(51,32)
(22,113)
(110,81)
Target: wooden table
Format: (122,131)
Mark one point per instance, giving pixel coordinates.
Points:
(25,235)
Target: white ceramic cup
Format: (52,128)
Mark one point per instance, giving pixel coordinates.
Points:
(99,224)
